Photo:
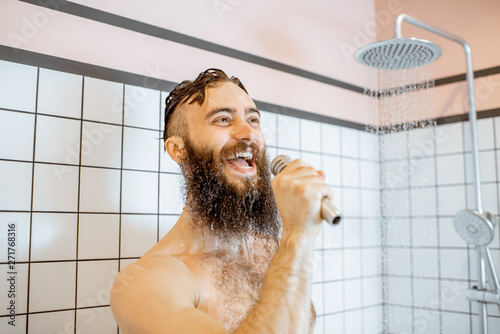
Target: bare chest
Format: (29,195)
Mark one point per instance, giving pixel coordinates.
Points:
(230,289)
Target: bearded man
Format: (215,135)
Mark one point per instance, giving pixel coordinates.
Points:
(239,259)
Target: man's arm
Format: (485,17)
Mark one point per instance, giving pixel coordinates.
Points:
(162,297)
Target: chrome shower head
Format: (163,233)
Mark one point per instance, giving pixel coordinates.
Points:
(475,228)
(398,54)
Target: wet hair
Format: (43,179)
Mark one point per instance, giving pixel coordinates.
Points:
(190,92)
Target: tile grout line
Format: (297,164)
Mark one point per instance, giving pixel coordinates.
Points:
(78,209)
(32,200)
(438,229)
(121,189)
(159,175)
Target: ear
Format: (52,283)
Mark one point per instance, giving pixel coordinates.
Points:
(174,145)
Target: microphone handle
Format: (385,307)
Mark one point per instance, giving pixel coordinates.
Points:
(328,211)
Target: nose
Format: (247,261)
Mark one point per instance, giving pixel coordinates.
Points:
(242,131)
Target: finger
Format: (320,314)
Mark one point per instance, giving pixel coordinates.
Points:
(330,195)
(327,191)
(296,165)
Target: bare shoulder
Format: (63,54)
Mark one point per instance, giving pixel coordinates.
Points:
(155,286)
(153,270)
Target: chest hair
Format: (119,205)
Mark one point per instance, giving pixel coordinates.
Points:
(236,288)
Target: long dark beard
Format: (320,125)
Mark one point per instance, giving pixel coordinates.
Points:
(230,212)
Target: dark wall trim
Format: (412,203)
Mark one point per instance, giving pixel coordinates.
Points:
(465,117)
(461,77)
(151,30)
(308,115)
(70,66)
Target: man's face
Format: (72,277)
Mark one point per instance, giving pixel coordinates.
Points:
(226,119)
(227,175)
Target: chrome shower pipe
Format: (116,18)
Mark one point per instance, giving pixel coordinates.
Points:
(481,284)
(470,86)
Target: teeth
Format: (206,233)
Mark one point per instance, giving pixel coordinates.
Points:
(244,155)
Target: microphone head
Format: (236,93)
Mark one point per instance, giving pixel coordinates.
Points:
(280,162)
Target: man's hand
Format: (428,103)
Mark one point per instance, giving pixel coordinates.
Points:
(299,189)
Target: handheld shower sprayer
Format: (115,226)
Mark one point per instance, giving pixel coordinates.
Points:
(475,228)
(479,230)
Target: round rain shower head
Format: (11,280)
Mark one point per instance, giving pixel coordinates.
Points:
(398,54)
(475,228)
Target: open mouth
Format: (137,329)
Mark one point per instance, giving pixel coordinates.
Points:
(242,161)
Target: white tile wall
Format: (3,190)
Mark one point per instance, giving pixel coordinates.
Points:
(450,169)
(53,236)
(287,132)
(93,290)
(350,172)
(350,142)
(442,266)
(332,168)
(400,320)
(170,194)
(141,107)
(140,149)
(15,193)
(331,139)
(369,146)
(138,235)
(424,232)
(99,190)
(18,86)
(394,146)
(310,135)
(101,145)
(423,202)
(268,124)
(53,322)
(16,128)
(144,183)
(45,278)
(105,244)
(451,200)
(63,148)
(353,322)
(423,172)
(335,292)
(60,93)
(55,188)
(335,323)
(103,101)
(95,320)
(449,138)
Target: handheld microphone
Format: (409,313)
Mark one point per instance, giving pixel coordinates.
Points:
(328,211)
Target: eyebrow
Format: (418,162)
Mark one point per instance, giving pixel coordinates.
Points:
(229,110)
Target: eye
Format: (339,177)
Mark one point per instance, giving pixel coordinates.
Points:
(222,120)
(254,120)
